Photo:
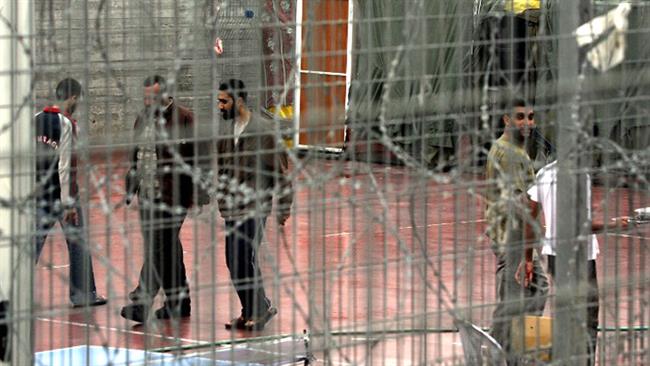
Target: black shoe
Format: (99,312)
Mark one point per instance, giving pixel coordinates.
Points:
(237,323)
(259,322)
(136,312)
(136,295)
(169,311)
(95,301)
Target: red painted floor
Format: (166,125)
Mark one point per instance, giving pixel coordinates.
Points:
(369,247)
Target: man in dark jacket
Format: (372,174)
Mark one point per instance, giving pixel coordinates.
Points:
(58,199)
(253,169)
(162,177)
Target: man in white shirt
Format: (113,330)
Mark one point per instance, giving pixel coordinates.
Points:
(58,198)
(544,192)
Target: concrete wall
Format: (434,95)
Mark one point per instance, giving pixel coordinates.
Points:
(112,45)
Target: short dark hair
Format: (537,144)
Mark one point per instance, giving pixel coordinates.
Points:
(234,87)
(155,79)
(506,107)
(68,88)
(509,104)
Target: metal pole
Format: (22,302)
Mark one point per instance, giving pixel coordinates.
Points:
(569,332)
(16,174)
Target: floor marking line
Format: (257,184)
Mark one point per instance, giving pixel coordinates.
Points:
(346,233)
(113,329)
(629,236)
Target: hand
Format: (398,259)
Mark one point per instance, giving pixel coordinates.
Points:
(623,222)
(131,184)
(196,211)
(218,46)
(282,218)
(527,267)
(70,216)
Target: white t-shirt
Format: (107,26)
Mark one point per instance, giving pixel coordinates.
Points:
(240,126)
(544,191)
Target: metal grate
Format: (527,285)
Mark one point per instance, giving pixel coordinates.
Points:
(386,111)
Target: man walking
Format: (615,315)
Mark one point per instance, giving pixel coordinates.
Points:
(58,197)
(161,176)
(519,273)
(253,169)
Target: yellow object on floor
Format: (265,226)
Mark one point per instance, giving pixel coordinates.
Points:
(534,337)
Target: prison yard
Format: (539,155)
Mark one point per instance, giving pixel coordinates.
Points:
(324,182)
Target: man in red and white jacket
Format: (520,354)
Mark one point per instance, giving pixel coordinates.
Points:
(58,192)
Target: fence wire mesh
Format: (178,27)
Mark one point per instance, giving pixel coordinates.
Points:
(418,150)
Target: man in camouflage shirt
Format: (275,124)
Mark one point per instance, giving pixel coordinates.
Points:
(521,282)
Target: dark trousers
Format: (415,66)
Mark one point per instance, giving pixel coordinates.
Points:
(593,306)
(514,51)
(243,239)
(163,265)
(514,300)
(82,278)
(5,326)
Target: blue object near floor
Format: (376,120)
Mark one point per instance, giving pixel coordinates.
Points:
(283,351)
(104,356)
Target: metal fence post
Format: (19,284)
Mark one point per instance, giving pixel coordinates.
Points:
(569,333)
(15,174)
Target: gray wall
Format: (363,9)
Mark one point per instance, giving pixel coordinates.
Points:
(111,46)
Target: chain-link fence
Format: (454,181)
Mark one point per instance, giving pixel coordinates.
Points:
(399,182)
